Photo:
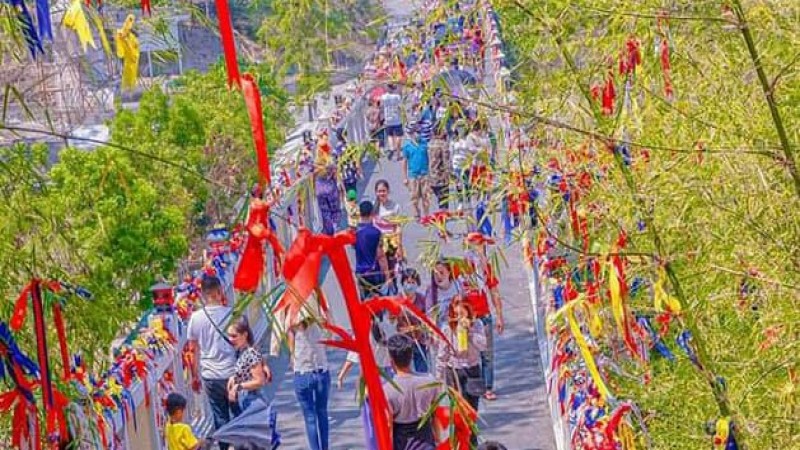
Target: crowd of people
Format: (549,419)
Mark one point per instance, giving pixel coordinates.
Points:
(418,87)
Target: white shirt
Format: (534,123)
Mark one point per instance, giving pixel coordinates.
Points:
(309,354)
(217,357)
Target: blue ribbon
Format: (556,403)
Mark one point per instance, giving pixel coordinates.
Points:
(43,19)
(684,341)
(482,219)
(658,344)
(26,21)
(558,296)
(15,355)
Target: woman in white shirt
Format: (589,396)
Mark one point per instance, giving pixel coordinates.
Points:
(387,220)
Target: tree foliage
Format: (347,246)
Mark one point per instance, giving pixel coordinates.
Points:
(301,36)
(117,217)
(708,190)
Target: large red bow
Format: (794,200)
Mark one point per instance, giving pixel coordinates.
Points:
(301,272)
(251,266)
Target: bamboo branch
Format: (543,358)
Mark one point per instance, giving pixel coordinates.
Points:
(769,95)
(718,387)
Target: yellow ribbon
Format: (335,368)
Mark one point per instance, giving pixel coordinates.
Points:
(128,50)
(662,300)
(625,435)
(98,23)
(75,20)
(113,388)
(617,307)
(595,323)
(575,328)
(721,436)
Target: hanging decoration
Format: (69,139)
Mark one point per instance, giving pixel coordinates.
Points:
(43,20)
(663,42)
(128,50)
(146,7)
(251,266)
(75,19)
(53,401)
(252,97)
(228,43)
(32,38)
(301,272)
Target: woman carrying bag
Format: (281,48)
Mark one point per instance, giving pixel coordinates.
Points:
(459,364)
(249,372)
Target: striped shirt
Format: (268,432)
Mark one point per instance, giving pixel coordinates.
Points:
(425,126)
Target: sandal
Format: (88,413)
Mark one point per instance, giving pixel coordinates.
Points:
(490,396)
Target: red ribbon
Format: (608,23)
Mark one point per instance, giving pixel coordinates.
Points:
(464,416)
(21,308)
(251,266)
(145,7)
(609,94)
(252,97)
(301,271)
(228,44)
(58,321)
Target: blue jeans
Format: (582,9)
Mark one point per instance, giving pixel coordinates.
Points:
(246,398)
(312,389)
(487,357)
(420,358)
(222,409)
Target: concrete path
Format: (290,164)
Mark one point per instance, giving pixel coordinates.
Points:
(519,418)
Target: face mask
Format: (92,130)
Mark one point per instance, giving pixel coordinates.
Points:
(409,288)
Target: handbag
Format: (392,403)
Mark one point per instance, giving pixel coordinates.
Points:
(476,386)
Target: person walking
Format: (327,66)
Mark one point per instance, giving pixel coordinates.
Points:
(459,363)
(312,380)
(392,119)
(328,197)
(411,396)
(411,326)
(212,352)
(439,172)
(248,373)
(444,289)
(372,267)
(415,167)
(387,220)
(480,285)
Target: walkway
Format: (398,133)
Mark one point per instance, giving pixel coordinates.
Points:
(519,418)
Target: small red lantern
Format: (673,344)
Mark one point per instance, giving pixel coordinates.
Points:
(163,297)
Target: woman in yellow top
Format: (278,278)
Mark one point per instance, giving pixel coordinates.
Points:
(179,435)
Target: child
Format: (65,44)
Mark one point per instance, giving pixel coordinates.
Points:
(351,205)
(410,325)
(179,436)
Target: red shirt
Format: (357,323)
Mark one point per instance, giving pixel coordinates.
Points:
(477,286)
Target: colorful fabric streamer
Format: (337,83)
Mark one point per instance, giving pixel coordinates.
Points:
(128,50)
(664,302)
(251,266)
(28,29)
(75,19)
(301,272)
(252,97)
(228,43)
(43,19)
(588,358)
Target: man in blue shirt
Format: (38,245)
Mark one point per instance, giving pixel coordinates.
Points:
(372,268)
(415,165)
